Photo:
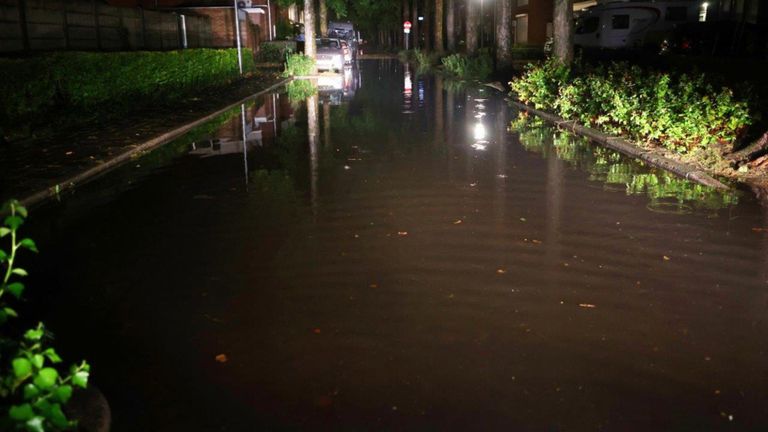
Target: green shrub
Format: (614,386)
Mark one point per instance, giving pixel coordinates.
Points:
(298,65)
(33,389)
(680,112)
(300,90)
(32,86)
(476,67)
(270,52)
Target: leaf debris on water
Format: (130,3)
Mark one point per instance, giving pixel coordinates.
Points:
(402,233)
(457,221)
(587,305)
(222,358)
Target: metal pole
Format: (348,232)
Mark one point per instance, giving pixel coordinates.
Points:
(269,17)
(245,143)
(183,31)
(237,39)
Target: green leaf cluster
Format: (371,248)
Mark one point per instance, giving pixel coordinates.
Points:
(34,85)
(680,112)
(33,391)
(476,67)
(298,65)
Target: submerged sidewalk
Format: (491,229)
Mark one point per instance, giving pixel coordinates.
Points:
(33,169)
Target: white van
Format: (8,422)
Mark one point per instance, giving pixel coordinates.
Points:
(632,24)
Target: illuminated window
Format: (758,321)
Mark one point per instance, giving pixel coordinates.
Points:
(703,12)
(521,29)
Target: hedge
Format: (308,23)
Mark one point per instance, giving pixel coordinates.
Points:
(84,80)
(680,112)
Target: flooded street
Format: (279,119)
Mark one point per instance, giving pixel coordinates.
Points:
(388,255)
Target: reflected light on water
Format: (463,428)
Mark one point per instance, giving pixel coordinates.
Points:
(479,133)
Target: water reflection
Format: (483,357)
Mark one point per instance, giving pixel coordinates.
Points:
(668,193)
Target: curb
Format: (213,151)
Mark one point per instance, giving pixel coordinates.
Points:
(150,144)
(651,157)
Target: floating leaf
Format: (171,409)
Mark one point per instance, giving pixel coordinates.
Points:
(222,358)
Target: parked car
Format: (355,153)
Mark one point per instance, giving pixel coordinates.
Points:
(330,54)
(347,52)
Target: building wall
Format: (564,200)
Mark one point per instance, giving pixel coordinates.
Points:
(539,21)
(34,25)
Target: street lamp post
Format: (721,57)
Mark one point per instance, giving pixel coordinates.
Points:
(237,38)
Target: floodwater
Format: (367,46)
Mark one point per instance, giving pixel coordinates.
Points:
(387,255)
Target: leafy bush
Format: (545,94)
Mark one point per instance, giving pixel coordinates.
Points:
(680,112)
(300,90)
(32,389)
(298,65)
(33,86)
(476,67)
(270,53)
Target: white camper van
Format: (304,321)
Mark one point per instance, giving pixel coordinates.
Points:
(631,23)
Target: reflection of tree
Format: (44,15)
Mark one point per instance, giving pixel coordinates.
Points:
(299,91)
(607,166)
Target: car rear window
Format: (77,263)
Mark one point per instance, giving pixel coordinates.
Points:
(327,43)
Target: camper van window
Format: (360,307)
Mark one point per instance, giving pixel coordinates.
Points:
(589,25)
(676,13)
(620,22)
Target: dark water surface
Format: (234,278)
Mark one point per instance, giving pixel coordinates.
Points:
(395,259)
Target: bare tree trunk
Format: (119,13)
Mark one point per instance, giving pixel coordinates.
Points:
(473,20)
(450,30)
(310,50)
(323,18)
(563,28)
(439,9)
(415,23)
(504,34)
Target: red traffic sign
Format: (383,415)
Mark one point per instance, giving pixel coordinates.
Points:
(407,25)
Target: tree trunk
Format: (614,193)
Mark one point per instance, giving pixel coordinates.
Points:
(473,20)
(504,34)
(310,49)
(323,18)
(450,30)
(415,23)
(439,45)
(563,28)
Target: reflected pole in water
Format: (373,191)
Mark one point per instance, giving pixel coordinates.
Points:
(313,134)
(554,205)
(326,125)
(245,143)
(449,106)
(439,119)
(501,162)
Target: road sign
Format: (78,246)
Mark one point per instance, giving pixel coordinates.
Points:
(407,25)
